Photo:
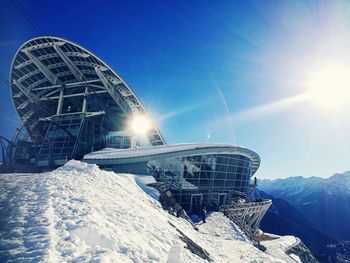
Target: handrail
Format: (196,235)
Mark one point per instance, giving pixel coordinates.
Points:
(247,203)
(238,212)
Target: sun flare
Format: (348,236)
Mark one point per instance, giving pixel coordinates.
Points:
(329,88)
(140,124)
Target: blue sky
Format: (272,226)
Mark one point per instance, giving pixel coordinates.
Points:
(227,72)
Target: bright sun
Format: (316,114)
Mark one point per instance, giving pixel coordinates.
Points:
(140,124)
(329,88)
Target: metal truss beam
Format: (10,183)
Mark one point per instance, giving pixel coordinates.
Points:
(69,85)
(61,74)
(55,55)
(28,75)
(73,95)
(73,68)
(97,86)
(23,105)
(60,64)
(43,45)
(87,115)
(25,92)
(37,83)
(27,116)
(47,73)
(247,215)
(111,90)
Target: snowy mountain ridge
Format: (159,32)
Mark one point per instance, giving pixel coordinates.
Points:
(81,213)
(339,182)
(325,202)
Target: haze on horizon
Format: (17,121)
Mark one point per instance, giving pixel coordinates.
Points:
(272,76)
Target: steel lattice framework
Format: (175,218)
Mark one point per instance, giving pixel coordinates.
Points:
(52,78)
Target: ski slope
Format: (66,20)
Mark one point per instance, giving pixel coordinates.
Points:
(79,213)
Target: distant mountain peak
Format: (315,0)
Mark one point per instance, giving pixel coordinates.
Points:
(341,175)
(323,201)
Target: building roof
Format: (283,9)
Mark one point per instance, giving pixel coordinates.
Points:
(172,150)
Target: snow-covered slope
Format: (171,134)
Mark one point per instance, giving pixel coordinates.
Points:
(80,213)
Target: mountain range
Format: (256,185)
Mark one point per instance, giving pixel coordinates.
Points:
(324,202)
(284,219)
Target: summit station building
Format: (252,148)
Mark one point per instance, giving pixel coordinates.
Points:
(72,105)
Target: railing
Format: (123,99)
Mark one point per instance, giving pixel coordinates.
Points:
(247,204)
(248,214)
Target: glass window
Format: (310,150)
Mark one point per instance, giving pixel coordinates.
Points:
(220,176)
(221,168)
(233,161)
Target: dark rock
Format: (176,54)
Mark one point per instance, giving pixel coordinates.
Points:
(192,246)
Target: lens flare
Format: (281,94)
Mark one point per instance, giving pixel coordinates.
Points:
(140,125)
(329,88)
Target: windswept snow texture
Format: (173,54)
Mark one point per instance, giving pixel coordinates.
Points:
(80,213)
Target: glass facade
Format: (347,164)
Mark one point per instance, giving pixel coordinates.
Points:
(60,139)
(114,140)
(203,180)
(70,137)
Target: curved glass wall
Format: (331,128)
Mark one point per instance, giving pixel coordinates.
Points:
(203,180)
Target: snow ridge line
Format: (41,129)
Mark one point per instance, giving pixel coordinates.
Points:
(53,254)
(79,213)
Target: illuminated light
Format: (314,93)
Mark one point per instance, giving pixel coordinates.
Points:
(140,125)
(329,88)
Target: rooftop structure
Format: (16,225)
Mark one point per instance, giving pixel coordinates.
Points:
(68,100)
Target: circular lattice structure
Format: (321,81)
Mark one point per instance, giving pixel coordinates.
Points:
(46,68)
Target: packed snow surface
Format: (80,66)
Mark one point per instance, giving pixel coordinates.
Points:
(79,213)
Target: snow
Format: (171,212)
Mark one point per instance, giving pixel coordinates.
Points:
(143,181)
(81,213)
(174,255)
(112,153)
(279,246)
(301,186)
(295,257)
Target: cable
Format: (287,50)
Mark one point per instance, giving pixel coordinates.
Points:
(36,26)
(4,80)
(27,16)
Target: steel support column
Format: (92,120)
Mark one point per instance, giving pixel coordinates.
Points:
(86,94)
(60,100)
